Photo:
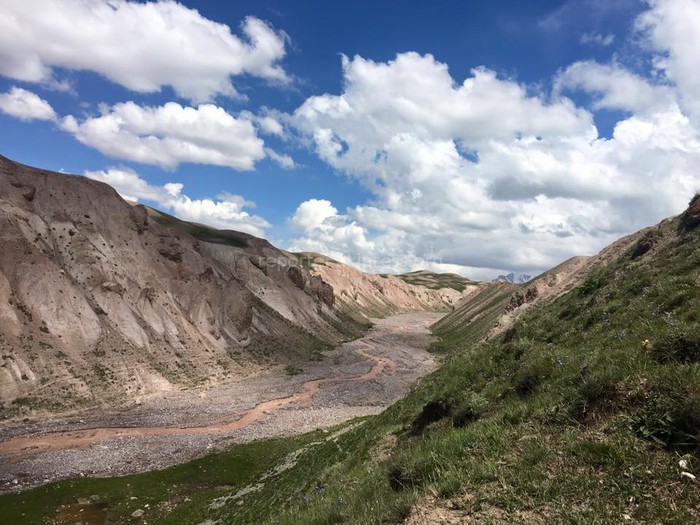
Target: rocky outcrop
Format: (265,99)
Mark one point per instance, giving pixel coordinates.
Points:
(102,301)
(368,295)
(520,298)
(99,302)
(312,284)
(691,217)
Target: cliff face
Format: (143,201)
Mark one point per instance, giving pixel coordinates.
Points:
(101,301)
(359,293)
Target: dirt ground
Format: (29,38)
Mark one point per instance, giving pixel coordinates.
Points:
(359,378)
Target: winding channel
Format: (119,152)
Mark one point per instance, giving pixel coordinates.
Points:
(77,439)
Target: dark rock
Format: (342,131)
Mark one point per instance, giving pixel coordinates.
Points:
(645,244)
(519,298)
(296,275)
(691,217)
(113,287)
(29,193)
(139,216)
(172,252)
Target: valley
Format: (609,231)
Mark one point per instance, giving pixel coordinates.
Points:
(161,371)
(359,378)
(349,263)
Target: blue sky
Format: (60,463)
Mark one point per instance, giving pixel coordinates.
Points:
(476,137)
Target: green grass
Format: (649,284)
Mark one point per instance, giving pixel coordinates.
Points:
(436,281)
(472,321)
(568,418)
(309,259)
(292,370)
(201,232)
(186,489)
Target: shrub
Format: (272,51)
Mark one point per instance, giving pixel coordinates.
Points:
(526,380)
(432,411)
(671,421)
(597,394)
(469,409)
(677,347)
(590,285)
(410,470)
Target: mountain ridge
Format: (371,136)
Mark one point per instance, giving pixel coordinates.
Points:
(104,301)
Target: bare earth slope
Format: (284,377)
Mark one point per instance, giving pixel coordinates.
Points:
(102,302)
(361,293)
(359,378)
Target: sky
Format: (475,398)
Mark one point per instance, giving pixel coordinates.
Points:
(463,136)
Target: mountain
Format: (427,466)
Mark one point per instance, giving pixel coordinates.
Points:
(359,293)
(102,301)
(574,398)
(513,278)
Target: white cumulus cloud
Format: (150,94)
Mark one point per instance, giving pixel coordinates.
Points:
(672,29)
(326,231)
(142,46)
(615,87)
(485,175)
(226,211)
(170,134)
(25,105)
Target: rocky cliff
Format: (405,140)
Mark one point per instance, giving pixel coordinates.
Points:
(358,293)
(102,301)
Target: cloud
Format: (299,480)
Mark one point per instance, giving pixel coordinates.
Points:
(313,214)
(141,46)
(25,105)
(225,212)
(327,232)
(416,95)
(593,38)
(671,27)
(615,87)
(271,126)
(484,174)
(170,134)
(573,12)
(283,160)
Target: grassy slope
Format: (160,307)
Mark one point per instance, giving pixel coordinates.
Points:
(436,281)
(200,231)
(565,419)
(471,321)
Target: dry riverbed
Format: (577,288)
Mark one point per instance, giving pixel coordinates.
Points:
(359,378)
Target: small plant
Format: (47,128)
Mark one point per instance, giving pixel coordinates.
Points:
(292,370)
(590,285)
(432,412)
(469,409)
(677,347)
(526,380)
(675,423)
(100,372)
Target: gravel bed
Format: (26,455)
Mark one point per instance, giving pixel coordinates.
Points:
(399,342)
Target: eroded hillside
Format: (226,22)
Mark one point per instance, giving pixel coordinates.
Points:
(585,410)
(102,301)
(360,294)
